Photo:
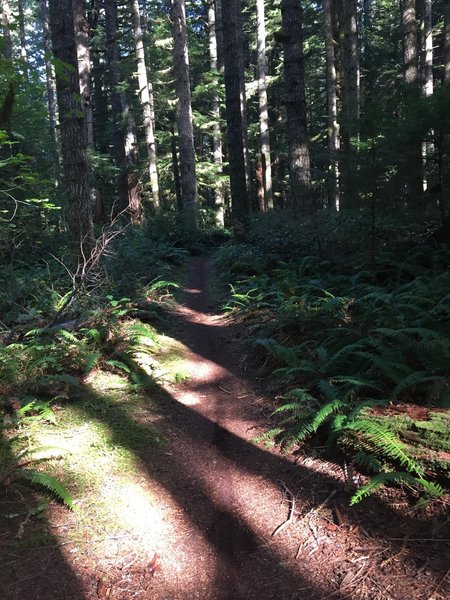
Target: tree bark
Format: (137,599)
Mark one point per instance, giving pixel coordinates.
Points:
(6,30)
(23,40)
(184,109)
(296,121)
(240,205)
(50,81)
(410,41)
(427,49)
(447,41)
(219,194)
(413,170)
(112,52)
(333,125)
(263,107)
(146,104)
(82,34)
(73,138)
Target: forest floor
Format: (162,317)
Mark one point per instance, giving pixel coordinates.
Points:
(208,514)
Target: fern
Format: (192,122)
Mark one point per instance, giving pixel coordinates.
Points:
(384,443)
(432,489)
(50,483)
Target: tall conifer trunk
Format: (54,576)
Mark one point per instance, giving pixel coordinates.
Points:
(219,194)
(447,41)
(6,30)
(240,205)
(296,121)
(333,126)
(82,34)
(112,52)
(413,167)
(51,102)
(73,135)
(263,107)
(188,177)
(145,103)
(23,40)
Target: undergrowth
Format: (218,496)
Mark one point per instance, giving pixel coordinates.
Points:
(347,338)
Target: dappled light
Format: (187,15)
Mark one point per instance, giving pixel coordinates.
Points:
(224,300)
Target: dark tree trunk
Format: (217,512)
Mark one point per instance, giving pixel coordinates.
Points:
(6,30)
(119,132)
(184,111)
(50,92)
(296,120)
(73,136)
(240,205)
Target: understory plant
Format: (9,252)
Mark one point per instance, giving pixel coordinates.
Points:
(349,346)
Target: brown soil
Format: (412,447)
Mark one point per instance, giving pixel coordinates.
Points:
(222,498)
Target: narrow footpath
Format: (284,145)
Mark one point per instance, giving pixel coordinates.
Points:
(233,496)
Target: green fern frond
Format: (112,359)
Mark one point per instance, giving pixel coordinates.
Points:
(267,436)
(413,379)
(432,489)
(118,364)
(50,483)
(385,443)
(367,461)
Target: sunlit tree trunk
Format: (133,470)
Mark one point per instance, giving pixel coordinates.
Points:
(243,96)
(6,30)
(82,33)
(51,103)
(146,104)
(296,121)
(119,132)
(447,41)
(73,136)
(215,109)
(410,41)
(240,205)
(413,169)
(22,37)
(426,76)
(184,112)
(333,126)
(263,106)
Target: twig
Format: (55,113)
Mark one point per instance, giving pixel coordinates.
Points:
(440,584)
(291,511)
(224,390)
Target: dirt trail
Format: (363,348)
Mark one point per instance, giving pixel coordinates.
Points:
(231,496)
(205,505)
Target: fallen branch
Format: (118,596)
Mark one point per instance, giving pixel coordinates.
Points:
(291,514)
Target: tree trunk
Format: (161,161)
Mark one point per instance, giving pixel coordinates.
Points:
(215,109)
(49,76)
(240,206)
(184,110)
(82,33)
(350,101)
(6,30)
(413,168)
(73,138)
(263,107)
(219,34)
(333,126)
(447,41)
(23,41)
(121,136)
(410,41)
(145,103)
(296,121)
(243,96)
(427,47)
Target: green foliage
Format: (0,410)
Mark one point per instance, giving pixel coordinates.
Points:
(20,461)
(348,343)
